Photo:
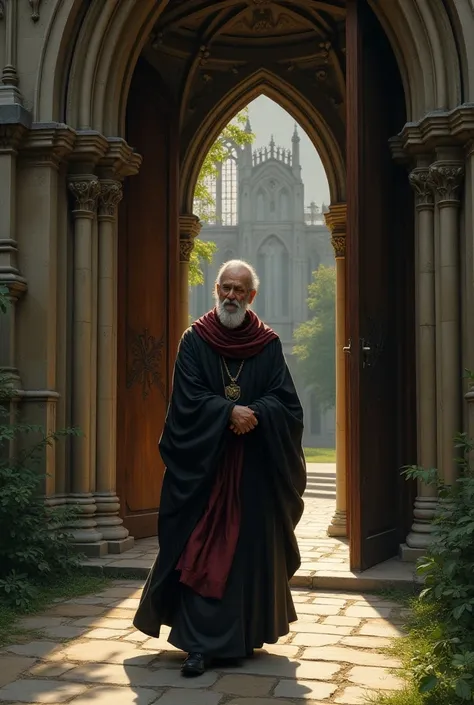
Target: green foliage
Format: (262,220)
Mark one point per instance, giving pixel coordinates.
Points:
(203,252)
(34,548)
(204,202)
(442,635)
(64,587)
(315,339)
(320,455)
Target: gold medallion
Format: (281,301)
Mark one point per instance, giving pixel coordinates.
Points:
(232,392)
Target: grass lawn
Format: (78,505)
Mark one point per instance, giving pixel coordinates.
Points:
(320,455)
(75,585)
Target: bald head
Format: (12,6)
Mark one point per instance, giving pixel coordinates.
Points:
(236,286)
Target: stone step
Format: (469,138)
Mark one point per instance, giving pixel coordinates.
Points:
(389,575)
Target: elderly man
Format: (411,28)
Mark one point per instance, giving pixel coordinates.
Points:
(232,491)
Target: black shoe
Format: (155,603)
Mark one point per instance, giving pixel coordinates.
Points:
(194,665)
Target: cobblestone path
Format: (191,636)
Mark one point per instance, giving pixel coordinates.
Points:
(85,650)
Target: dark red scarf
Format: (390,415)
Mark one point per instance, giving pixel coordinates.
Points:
(243,342)
(207,558)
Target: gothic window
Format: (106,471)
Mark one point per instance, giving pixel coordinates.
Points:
(273,264)
(229,190)
(284,206)
(260,206)
(222,188)
(204,208)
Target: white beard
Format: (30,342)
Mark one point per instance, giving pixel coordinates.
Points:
(231,319)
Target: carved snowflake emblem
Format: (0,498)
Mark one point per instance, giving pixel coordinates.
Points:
(146,352)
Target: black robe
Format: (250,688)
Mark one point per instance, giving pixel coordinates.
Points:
(257,606)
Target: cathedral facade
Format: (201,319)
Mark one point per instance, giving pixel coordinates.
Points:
(260,216)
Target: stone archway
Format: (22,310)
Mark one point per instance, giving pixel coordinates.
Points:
(89,91)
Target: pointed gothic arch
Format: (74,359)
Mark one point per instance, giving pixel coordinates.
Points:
(426,44)
(263,82)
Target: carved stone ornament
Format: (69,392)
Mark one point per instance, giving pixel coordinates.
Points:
(420,181)
(447,180)
(110,196)
(185,248)
(86,193)
(35,9)
(11,136)
(146,353)
(339,244)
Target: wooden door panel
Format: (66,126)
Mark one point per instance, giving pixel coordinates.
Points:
(146,280)
(378,330)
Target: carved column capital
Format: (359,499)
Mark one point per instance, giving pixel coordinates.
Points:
(336,219)
(185,249)
(447,178)
(421,182)
(339,244)
(11,136)
(189,228)
(110,195)
(85,190)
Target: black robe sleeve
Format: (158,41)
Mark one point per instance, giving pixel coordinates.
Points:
(195,424)
(280,417)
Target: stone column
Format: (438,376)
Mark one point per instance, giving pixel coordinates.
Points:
(85,190)
(10,277)
(9,91)
(107,517)
(469,297)
(426,500)
(336,222)
(189,228)
(447,177)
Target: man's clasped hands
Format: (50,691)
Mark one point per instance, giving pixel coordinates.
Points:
(242,420)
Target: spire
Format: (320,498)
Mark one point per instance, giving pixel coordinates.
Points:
(248,126)
(296,152)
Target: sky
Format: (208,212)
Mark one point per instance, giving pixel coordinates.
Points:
(269,118)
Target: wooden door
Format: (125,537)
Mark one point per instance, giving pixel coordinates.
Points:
(379,280)
(147,298)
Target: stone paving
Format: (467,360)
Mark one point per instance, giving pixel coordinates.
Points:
(325,560)
(86,649)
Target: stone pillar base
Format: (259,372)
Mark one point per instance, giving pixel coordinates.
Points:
(421,533)
(83,528)
(95,549)
(411,555)
(338,525)
(116,547)
(107,517)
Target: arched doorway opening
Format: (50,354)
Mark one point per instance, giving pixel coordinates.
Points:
(172,122)
(256,197)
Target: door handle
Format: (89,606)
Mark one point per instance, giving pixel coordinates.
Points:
(366,351)
(347,348)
